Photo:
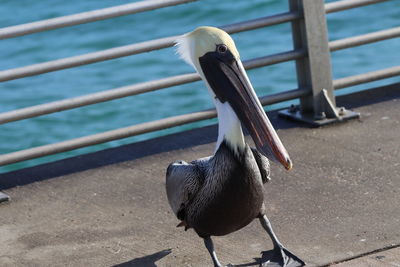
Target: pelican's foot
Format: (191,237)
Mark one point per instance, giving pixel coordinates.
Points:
(280,257)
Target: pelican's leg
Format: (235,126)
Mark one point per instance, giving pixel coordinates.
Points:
(281,256)
(210,247)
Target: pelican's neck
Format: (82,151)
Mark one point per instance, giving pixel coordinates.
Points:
(229,128)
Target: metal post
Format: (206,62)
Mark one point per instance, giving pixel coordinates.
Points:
(314,71)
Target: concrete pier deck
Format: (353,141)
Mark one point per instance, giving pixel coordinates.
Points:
(340,204)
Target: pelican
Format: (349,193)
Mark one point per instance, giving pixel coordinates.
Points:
(223,193)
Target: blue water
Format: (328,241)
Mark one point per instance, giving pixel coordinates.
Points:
(91,37)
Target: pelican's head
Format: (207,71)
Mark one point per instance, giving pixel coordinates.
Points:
(213,54)
(195,44)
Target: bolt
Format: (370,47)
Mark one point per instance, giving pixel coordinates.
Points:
(292,108)
(320,116)
(342,111)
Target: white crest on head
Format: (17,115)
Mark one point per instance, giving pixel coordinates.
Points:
(184,48)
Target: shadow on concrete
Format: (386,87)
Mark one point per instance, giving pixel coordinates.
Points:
(171,142)
(146,261)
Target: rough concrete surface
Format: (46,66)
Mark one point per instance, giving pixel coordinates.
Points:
(341,200)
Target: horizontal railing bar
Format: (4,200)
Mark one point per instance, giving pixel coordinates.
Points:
(348,4)
(261,22)
(85,59)
(132,49)
(94,98)
(152,126)
(364,39)
(366,77)
(135,89)
(274,59)
(85,17)
(284,96)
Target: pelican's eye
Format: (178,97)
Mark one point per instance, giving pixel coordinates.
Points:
(222,48)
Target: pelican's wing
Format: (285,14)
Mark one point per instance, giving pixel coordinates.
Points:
(183,181)
(263,165)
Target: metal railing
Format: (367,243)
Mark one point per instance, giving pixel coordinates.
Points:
(296,16)
(85,17)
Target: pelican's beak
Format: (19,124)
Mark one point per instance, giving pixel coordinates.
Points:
(228,79)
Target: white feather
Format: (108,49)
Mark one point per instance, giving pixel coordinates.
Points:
(184,48)
(229,127)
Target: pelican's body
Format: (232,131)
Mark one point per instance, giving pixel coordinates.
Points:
(223,193)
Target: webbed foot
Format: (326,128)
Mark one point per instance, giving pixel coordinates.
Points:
(280,257)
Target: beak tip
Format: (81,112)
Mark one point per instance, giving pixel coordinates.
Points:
(288,165)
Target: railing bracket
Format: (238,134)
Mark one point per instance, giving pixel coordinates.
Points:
(314,121)
(330,113)
(4,197)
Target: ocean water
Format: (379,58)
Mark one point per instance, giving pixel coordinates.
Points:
(91,37)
